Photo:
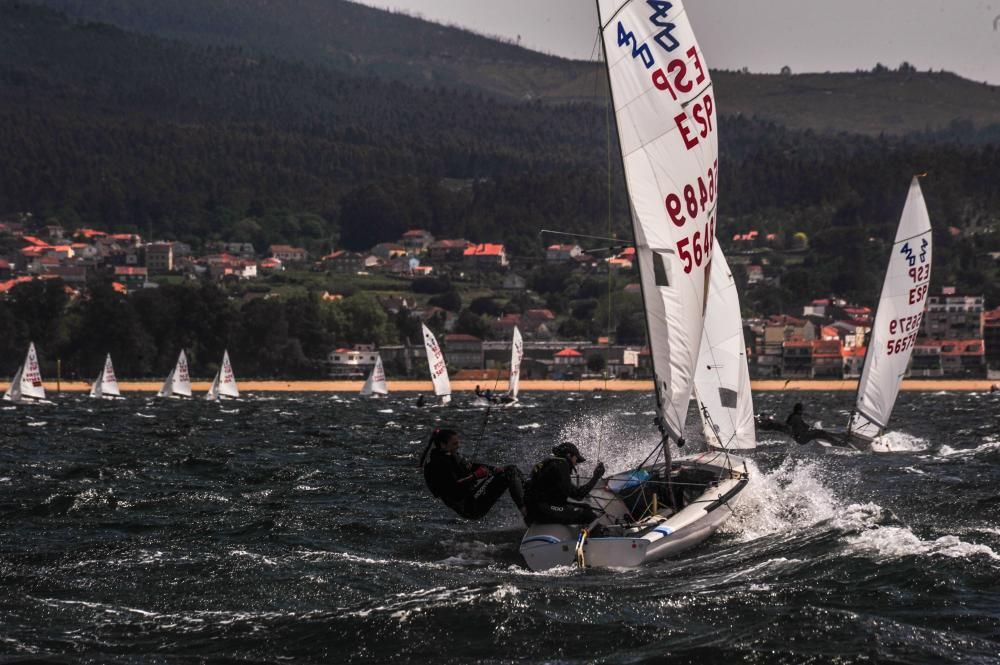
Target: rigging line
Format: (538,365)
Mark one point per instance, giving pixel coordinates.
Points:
(582,235)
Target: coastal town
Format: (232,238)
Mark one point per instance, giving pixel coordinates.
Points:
(475,294)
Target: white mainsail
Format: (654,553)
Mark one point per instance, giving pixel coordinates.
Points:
(224,383)
(665,109)
(13,392)
(516,356)
(722,380)
(178,383)
(106,384)
(438,368)
(375,384)
(897,319)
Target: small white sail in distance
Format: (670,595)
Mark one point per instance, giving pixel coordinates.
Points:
(375,384)
(224,383)
(516,356)
(178,382)
(438,367)
(722,379)
(27,383)
(106,384)
(897,319)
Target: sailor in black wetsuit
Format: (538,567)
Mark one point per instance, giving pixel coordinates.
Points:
(468,488)
(551,488)
(803,433)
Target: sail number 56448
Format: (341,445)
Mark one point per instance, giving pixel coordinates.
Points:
(696,249)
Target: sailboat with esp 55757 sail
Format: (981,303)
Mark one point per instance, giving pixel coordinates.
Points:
(664,105)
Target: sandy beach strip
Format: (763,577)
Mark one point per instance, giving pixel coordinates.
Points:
(586,385)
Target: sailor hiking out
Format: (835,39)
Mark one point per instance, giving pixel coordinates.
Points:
(551,488)
(468,488)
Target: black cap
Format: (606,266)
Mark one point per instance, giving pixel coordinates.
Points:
(567,449)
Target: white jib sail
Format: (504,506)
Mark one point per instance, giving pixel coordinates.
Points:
(438,368)
(722,380)
(106,382)
(665,110)
(375,384)
(178,381)
(897,319)
(225,379)
(516,356)
(31,377)
(13,392)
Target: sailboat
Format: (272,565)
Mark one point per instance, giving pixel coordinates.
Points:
(897,323)
(178,382)
(437,366)
(26,386)
(375,384)
(664,104)
(224,384)
(722,380)
(514,379)
(105,386)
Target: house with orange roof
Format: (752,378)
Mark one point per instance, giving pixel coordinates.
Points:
(416,241)
(447,250)
(486,256)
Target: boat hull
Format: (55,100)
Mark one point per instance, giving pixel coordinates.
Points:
(662,534)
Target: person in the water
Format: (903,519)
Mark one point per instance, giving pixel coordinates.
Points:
(469,488)
(551,488)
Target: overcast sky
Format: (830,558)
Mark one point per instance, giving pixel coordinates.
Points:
(764,35)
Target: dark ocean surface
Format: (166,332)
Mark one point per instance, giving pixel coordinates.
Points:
(297,529)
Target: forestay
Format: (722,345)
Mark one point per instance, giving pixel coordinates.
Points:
(178,382)
(897,319)
(437,366)
(665,109)
(106,384)
(722,380)
(375,385)
(516,356)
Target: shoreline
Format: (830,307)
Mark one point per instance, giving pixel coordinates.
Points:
(586,385)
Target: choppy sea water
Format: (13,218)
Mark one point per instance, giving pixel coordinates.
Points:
(297,529)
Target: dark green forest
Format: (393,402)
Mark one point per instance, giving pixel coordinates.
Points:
(199,141)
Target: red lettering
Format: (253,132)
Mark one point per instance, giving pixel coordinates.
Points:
(679,69)
(687,136)
(661,83)
(693,54)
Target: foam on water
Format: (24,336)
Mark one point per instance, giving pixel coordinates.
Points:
(899,442)
(605,437)
(791,497)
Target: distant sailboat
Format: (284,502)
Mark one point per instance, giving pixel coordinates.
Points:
(722,380)
(224,384)
(26,386)
(106,385)
(437,366)
(375,385)
(178,383)
(897,322)
(516,356)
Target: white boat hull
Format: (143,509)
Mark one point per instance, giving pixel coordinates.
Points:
(656,537)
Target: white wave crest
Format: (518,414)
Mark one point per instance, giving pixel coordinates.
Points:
(789,498)
(899,442)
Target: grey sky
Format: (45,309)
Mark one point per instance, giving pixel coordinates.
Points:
(764,35)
